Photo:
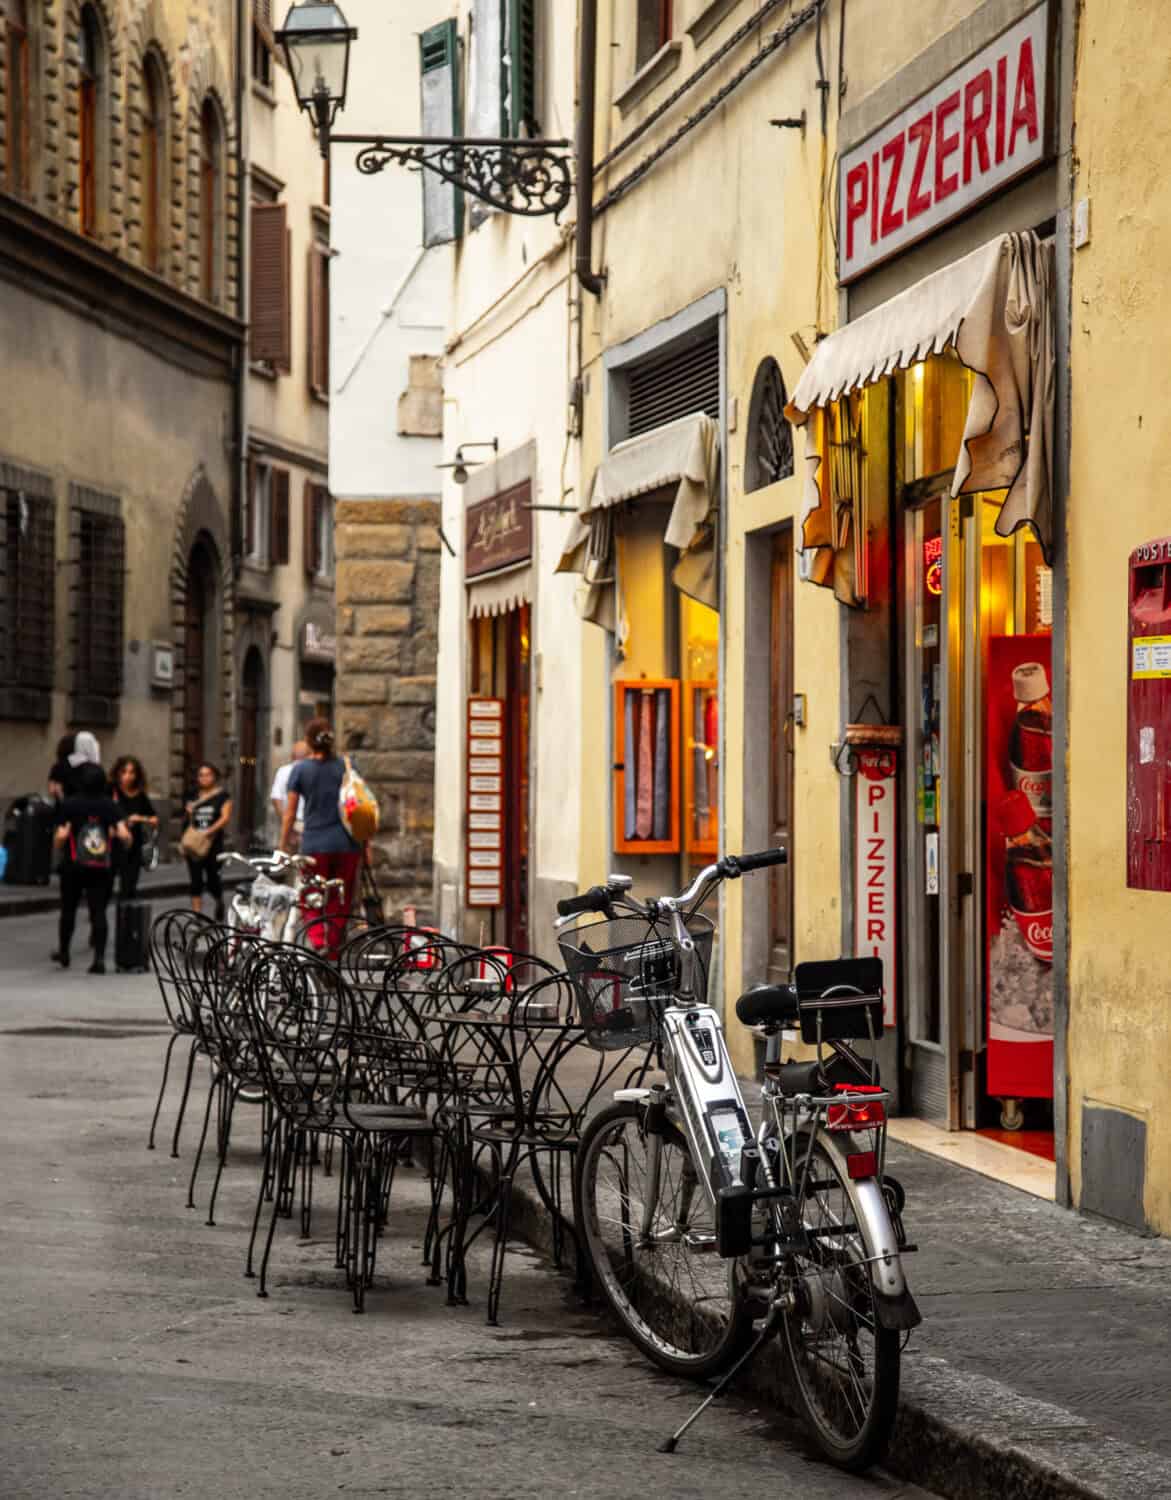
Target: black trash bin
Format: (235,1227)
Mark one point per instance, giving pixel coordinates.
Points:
(28,837)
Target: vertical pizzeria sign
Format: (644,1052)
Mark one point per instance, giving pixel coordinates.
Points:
(485,802)
(874,866)
(982,127)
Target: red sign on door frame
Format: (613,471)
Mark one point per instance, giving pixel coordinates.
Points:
(875,867)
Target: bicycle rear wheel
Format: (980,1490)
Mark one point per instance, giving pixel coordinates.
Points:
(678,1301)
(845,1365)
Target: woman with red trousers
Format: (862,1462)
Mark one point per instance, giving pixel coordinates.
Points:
(317,781)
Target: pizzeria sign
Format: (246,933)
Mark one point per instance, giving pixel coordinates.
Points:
(983,126)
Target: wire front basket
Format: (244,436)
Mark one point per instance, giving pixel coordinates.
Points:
(625,970)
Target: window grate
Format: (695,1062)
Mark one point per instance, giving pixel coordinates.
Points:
(769,450)
(676,384)
(27,615)
(97,599)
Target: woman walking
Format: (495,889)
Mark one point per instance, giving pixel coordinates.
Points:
(208,813)
(88,825)
(317,781)
(130,797)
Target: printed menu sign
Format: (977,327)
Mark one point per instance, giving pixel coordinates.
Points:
(484,804)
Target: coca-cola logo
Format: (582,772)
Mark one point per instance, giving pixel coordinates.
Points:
(1040,933)
(1029,784)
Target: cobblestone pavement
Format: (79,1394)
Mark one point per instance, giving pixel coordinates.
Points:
(135,1361)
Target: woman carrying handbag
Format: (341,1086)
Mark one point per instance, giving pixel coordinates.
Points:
(208,814)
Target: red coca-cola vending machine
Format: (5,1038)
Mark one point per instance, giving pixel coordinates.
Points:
(1148,720)
(1019,867)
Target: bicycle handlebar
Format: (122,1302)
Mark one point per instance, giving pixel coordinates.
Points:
(602,898)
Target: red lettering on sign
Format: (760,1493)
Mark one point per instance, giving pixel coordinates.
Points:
(918,202)
(1024,104)
(892,217)
(875,792)
(1001,104)
(976,122)
(877,846)
(874,199)
(875,930)
(877,875)
(876,903)
(945,146)
(857,200)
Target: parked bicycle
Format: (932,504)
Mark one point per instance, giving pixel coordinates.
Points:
(283,900)
(709,1234)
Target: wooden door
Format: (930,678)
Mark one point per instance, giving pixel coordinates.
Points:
(196,614)
(780,960)
(250,695)
(516,819)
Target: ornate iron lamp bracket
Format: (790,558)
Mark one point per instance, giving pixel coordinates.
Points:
(529,177)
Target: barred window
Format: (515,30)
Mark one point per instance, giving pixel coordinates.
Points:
(97,614)
(27,554)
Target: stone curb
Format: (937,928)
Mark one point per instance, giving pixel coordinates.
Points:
(963,1436)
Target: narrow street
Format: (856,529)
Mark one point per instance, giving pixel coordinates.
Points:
(137,1361)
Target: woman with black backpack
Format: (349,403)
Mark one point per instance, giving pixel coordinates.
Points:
(88,823)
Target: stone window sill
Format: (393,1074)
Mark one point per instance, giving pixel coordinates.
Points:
(709,18)
(264,93)
(649,76)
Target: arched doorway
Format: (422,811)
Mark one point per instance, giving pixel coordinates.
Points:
(251,709)
(201,736)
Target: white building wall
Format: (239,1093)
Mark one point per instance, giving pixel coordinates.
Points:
(388,298)
(507,372)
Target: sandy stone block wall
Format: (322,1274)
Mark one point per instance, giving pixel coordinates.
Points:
(388,618)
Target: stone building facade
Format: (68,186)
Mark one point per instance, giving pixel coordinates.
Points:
(388,611)
(120,421)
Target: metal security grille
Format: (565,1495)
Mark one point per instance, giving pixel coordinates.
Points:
(675,384)
(97,601)
(27,554)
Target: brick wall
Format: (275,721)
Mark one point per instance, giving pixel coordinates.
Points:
(388,618)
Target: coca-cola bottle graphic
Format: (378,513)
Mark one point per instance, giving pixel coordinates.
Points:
(1028,873)
(1030,743)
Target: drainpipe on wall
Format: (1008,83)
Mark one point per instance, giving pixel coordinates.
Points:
(243,199)
(586,92)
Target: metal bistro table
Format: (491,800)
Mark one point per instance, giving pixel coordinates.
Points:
(501,1067)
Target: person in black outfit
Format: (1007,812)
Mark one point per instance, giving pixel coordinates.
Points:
(87,826)
(210,811)
(129,782)
(61,773)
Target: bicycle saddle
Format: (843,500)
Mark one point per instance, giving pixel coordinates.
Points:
(768,1005)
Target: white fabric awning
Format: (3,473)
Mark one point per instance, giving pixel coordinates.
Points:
(684,453)
(497,593)
(994,308)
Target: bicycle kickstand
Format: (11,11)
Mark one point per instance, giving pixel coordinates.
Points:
(668,1445)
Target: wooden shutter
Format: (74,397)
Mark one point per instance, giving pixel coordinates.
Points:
(278,529)
(318,350)
(311,536)
(441,114)
(270,332)
(262,16)
(522,68)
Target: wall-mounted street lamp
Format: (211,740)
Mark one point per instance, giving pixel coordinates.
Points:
(460,464)
(530,177)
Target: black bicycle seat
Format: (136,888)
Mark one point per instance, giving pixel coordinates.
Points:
(768,1005)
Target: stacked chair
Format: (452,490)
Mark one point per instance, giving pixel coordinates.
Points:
(407,1051)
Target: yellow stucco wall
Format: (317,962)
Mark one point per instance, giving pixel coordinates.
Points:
(1120,958)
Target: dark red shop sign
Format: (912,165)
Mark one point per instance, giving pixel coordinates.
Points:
(499,532)
(983,126)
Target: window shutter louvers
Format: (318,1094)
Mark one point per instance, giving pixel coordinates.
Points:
(309,528)
(441,114)
(279,526)
(522,68)
(270,322)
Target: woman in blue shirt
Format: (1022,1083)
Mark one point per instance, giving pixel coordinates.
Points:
(316,782)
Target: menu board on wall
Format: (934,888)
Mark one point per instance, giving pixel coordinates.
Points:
(484,846)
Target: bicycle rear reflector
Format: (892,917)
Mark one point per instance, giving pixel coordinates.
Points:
(862,1163)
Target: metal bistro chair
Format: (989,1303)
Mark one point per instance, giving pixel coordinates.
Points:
(172,954)
(321,1068)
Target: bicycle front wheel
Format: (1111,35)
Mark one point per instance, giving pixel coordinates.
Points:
(652,1247)
(845,1365)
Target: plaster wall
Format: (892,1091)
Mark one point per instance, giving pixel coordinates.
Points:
(107,413)
(508,367)
(735,205)
(388,296)
(1120,1022)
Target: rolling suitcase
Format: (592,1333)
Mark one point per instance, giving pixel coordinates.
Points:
(132,936)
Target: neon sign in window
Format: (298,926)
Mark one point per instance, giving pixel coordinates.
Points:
(933,564)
